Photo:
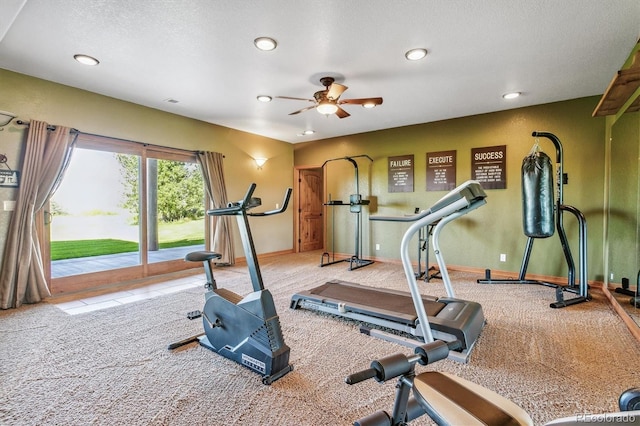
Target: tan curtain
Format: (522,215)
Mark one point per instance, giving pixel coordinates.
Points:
(212,170)
(47,154)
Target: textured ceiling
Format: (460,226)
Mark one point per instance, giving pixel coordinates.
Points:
(201,53)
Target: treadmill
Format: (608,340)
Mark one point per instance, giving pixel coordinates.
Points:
(411,318)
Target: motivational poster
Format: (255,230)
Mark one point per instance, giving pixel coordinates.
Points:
(441,170)
(401,173)
(488,166)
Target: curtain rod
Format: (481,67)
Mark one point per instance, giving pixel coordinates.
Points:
(52,127)
(49,126)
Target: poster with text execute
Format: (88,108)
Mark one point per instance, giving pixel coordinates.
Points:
(441,171)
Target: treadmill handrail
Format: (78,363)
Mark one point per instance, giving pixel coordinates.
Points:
(447,213)
(470,191)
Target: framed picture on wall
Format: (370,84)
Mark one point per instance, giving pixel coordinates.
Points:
(489,166)
(441,170)
(9,178)
(401,173)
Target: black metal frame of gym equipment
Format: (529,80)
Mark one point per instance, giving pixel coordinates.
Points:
(245,329)
(582,290)
(423,246)
(355,206)
(447,318)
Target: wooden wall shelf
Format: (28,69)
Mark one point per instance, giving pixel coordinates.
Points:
(623,85)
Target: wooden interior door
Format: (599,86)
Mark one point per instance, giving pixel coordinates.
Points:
(310,208)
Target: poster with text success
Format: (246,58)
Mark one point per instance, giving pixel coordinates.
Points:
(489,166)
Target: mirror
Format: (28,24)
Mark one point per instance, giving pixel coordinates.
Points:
(624,212)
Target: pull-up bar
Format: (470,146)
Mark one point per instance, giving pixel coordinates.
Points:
(355,206)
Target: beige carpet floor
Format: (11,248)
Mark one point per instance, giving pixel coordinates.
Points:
(112,367)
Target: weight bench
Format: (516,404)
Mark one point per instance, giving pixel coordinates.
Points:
(446,398)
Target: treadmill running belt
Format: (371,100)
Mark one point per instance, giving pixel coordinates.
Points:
(376,299)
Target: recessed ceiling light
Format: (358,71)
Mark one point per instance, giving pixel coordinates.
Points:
(369,105)
(86,59)
(265,43)
(308,132)
(264,98)
(511,95)
(415,54)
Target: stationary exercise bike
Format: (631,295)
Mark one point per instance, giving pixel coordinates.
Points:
(451,400)
(243,329)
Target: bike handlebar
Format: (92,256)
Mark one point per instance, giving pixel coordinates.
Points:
(249,202)
(285,203)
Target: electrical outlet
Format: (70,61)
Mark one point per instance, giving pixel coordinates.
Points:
(611,276)
(503,257)
(377,246)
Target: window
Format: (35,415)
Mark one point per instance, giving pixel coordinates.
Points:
(123,211)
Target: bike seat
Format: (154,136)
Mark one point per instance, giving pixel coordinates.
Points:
(202,256)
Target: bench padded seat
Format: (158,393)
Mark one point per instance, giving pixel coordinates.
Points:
(456,401)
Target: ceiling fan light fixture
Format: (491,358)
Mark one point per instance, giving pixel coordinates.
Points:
(415,54)
(511,95)
(369,105)
(327,108)
(264,98)
(86,59)
(265,43)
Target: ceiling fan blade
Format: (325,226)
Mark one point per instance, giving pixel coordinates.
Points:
(295,99)
(335,90)
(375,101)
(342,113)
(303,110)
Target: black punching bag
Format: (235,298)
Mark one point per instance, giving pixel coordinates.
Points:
(537,195)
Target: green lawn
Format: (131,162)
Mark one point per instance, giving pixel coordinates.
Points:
(170,235)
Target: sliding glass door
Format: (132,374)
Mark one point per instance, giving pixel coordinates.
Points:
(123,211)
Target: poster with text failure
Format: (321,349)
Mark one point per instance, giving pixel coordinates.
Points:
(489,166)
(401,173)
(441,171)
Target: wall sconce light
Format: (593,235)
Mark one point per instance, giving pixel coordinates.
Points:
(6,117)
(260,162)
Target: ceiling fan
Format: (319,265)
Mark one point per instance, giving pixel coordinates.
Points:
(328,101)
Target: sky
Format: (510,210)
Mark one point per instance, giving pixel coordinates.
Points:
(91,182)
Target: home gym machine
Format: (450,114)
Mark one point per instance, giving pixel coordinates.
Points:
(451,400)
(355,206)
(243,329)
(538,222)
(424,318)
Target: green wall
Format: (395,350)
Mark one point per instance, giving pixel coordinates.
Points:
(56,104)
(476,240)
